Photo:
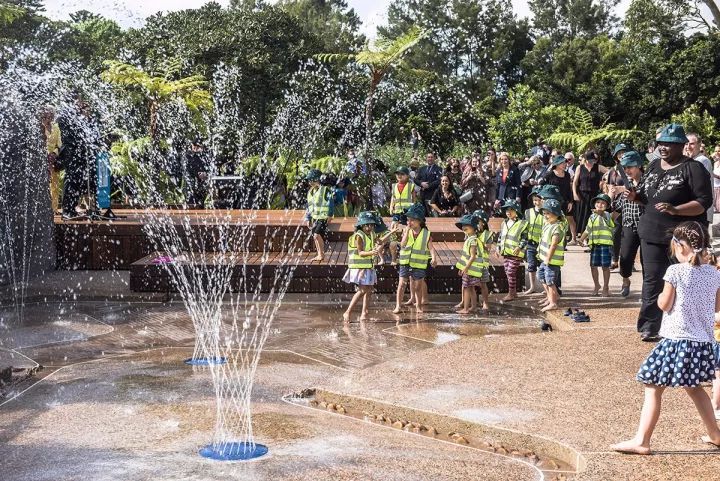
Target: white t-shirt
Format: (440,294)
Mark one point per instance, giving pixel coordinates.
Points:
(692,317)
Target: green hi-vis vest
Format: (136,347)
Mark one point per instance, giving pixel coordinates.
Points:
(550,230)
(355,260)
(485,237)
(600,230)
(403,200)
(416,253)
(535,222)
(510,238)
(481,257)
(317,203)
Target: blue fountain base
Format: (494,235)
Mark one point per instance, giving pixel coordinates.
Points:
(234,451)
(206,361)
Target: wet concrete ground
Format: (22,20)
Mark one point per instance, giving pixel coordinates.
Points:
(115,401)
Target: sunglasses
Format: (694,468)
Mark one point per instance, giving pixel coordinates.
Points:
(676,240)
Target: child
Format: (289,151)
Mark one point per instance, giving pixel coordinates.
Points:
(714,261)
(599,232)
(485,235)
(513,238)
(551,252)
(320,208)
(549,191)
(403,196)
(343,208)
(685,357)
(472,266)
(362,248)
(416,249)
(535,220)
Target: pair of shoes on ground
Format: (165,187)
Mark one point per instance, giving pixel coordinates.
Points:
(577,315)
(650,337)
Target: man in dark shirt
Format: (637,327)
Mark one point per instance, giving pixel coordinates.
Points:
(428,179)
(198,173)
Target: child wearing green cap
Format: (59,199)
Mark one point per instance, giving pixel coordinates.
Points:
(472,266)
(511,246)
(363,246)
(535,221)
(551,252)
(599,234)
(320,208)
(403,197)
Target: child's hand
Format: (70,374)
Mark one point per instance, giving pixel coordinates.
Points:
(547,260)
(461,272)
(433,262)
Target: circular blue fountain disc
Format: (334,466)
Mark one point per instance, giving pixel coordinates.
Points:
(234,451)
(206,361)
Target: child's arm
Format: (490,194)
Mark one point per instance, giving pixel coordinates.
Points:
(666,299)
(431,248)
(473,256)
(393,230)
(361,248)
(392,200)
(551,251)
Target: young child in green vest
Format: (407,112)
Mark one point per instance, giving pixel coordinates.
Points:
(416,249)
(551,252)
(535,220)
(472,266)
(599,234)
(511,246)
(403,197)
(319,209)
(363,246)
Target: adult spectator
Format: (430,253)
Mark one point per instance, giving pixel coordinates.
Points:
(453,171)
(428,179)
(586,185)
(475,181)
(80,135)
(380,189)
(509,186)
(694,151)
(197,165)
(570,159)
(53,142)
(674,189)
(716,177)
(445,201)
(415,140)
(559,177)
(533,170)
(614,187)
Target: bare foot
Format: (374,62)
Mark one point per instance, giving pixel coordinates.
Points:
(381,262)
(463,311)
(425,303)
(346,316)
(549,307)
(631,447)
(528,292)
(397,310)
(543,303)
(364,316)
(458,306)
(596,290)
(509,298)
(606,292)
(411,302)
(419,308)
(486,308)
(710,441)
(317,259)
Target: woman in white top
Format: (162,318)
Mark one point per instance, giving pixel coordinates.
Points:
(716,177)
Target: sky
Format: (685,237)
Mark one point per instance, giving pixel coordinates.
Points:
(131,12)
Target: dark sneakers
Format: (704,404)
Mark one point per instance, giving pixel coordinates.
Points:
(625,291)
(650,337)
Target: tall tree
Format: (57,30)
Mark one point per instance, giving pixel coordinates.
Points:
(560,19)
(335,26)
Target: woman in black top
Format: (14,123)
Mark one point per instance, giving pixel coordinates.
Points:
(445,202)
(674,189)
(559,177)
(586,185)
(509,186)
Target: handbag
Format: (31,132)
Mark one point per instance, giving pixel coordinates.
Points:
(466,197)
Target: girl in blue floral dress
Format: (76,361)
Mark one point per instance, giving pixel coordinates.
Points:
(685,356)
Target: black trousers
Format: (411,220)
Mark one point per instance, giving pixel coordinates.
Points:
(74,186)
(617,236)
(655,261)
(629,245)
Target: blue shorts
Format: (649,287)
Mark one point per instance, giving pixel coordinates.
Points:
(600,256)
(407,271)
(547,274)
(531,256)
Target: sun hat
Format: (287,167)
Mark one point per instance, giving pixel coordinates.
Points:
(631,159)
(416,211)
(553,206)
(673,134)
(467,219)
(313,175)
(402,170)
(512,204)
(618,148)
(603,197)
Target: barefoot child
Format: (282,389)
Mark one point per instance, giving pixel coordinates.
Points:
(599,233)
(472,266)
(551,252)
(362,248)
(416,249)
(685,357)
(319,209)
(511,246)
(535,221)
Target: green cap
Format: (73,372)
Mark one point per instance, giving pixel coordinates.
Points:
(467,219)
(512,204)
(481,215)
(535,191)
(673,134)
(313,175)
(558,159)
(553,206)
(380,226)
(549,191)
(402,170)
(365,218)
(631,159)
(604,197)
(416,211)
(618,148)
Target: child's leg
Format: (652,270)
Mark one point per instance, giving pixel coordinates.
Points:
(552,299)
(426,298)
(606,281)
(394,250)
(366,290)
(707,414)
(319,247)
(649,416)
(420,294)
(716,391)
(400,293)
(413,288)
(467,294)
(358,294)
(485,295)
(381,255)
(510,266)
(596,280)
